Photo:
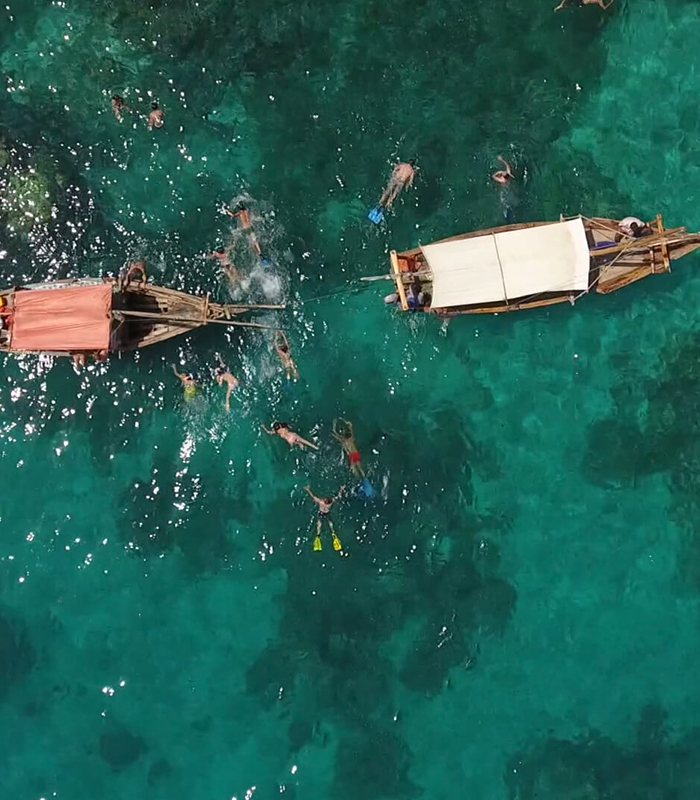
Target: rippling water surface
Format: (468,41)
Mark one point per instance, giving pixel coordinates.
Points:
(516,614)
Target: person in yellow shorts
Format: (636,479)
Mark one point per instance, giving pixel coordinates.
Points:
(189,384)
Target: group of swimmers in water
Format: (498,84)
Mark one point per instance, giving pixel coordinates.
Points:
(343,432)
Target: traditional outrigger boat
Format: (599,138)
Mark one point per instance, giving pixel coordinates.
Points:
(517,267)
(99,316)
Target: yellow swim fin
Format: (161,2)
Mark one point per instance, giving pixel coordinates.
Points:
(317,544)
(336,541)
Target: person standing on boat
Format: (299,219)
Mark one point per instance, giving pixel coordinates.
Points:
(189,384)
(223,376)
(343,432)
(285,355)
(581,3)
(223,256)
(283,430)
(402,177)
(242,214)
(324,509)
(156,119)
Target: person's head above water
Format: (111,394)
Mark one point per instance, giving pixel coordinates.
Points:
(154,105)
(220,250)
(277,425)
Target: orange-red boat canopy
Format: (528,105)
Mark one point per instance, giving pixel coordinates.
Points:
(75,319)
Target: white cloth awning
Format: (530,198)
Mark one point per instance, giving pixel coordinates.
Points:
(509,265)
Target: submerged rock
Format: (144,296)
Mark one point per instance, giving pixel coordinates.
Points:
(17,656)
(121,749)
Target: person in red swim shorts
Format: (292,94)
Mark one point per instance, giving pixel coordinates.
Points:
(343,432)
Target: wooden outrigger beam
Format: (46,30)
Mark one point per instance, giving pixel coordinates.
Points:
(399,282)
(664,243)
(643,243)
(186,321)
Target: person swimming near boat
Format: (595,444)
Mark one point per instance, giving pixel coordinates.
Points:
(293,439)
(324,509)
(119,106)
(242,214)
(138,268)
(503,176)
(343,432)
(156,119)
(189,384)
(285,355)
(223,256)
(633,228)
(402,177)
(581,3)
(223,376)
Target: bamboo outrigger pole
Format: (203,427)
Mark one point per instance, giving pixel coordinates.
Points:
(194,323)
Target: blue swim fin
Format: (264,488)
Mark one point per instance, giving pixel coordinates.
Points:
(376,215)
(366,490)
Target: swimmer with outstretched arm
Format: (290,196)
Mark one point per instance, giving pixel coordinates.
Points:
(189,384)
(343,432)
(324,509)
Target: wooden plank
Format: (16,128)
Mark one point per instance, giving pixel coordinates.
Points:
(399,282)
(205,310)
(551,301)
(664,243)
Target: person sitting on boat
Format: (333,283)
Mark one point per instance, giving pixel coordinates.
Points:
(402,177)
(156,119)
(581,3)
(503,176)
(223,376)
(324,509)
(285,355)
(223,256)
(118,106)
(242,214)
(138,268)
(343,432)
(283,430)
(633,227)
(189,384)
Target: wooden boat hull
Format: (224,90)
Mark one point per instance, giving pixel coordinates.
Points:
(141,314)
(611,268)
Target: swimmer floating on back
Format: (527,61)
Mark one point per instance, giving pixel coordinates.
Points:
(285,354)
(324,509)
(189,384)
(283,430)
(343,432)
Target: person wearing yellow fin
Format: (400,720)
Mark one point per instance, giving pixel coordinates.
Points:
(324,509)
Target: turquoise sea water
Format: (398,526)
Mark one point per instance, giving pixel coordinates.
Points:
(516,615)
